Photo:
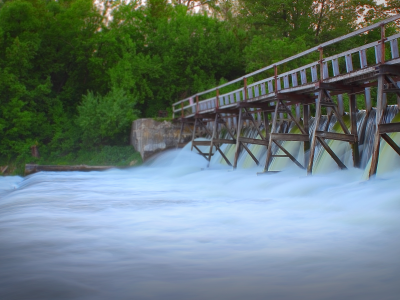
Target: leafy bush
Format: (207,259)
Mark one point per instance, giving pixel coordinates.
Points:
(105,119)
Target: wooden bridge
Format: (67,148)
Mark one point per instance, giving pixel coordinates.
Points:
(289,96)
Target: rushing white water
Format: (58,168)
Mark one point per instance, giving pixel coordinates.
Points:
(173,229)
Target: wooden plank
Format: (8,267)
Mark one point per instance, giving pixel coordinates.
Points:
(239,129)
(332,154)
(224,141)
(314,136)
(394,48)
(33,168)
(391,143)
(251,154)
(254,141)
(363,58)
(377,138)
(353,130)
(389,127)
(336,136)
(290,156)
(201,143)
(269,149)
(388,69)
(349,63)
(290,137)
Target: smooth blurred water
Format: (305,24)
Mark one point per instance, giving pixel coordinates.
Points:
(173,229)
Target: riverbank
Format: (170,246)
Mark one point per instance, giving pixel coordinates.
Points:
(118,156)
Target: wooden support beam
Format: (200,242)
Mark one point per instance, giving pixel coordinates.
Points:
(290,156)
(269,149)
(387,70)
(201,143)
(290,137)
(254,141)
(314,134)
(377,140)
(331,153)
(251,154)
(306,117)
(180,133)
(353,130)
(389,127)
(391,143)
(238,132)
(224,141)
(336,136)
(214,134)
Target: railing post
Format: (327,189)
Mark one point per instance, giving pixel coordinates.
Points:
(383,43)
(217,99)
(276,79)
(321,63)
(181,109)
(197,104)
(245,89)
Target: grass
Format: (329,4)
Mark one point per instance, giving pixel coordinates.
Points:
(119,156)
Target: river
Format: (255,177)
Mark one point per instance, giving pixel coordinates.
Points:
(173,229)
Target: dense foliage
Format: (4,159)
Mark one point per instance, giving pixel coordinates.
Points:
(75,73)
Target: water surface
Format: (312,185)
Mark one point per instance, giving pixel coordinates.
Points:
(175,230)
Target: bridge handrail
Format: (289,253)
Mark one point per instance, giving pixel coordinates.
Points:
(311,50)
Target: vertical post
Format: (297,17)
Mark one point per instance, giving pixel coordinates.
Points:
(239,129)
(194,133)
(377,140)
(306,117)
(181,109)
(383,43)
(212,139)
(269,149)
(321,63)
(246,96)
(217,99)
(180,134)
(353,118)
(314,136)
(197,104)
(368,103)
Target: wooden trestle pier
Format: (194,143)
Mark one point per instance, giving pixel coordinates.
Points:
(290,95)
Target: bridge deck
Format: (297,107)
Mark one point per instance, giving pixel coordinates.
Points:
(292,92)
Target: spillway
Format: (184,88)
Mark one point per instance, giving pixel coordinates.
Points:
(175,229)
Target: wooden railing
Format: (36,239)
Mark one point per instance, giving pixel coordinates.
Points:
(325,69)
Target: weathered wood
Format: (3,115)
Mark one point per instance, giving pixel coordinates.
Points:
(391,143)
(332,154)
(201,143)
(353,130)
(225,141)
(34,168)
(389,127)
(289,112)
(290,137)
(251,154)
(180,133)
(224,157)
(336,136)
(269,149)
(290,156)
(201,153)
(306,146)
(254,141)
(314,136)
(238,132)
(377,140)
(193,133)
